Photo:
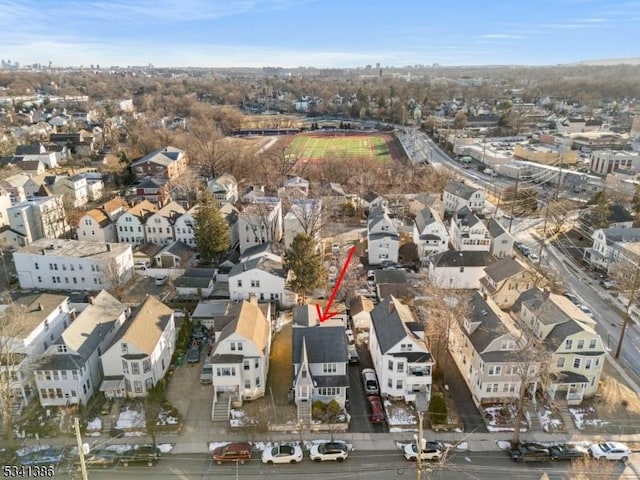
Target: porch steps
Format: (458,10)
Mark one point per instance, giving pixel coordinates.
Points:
(221,407)
(567,419)
(304,413)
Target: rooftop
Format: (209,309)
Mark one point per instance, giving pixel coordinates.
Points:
(55,247)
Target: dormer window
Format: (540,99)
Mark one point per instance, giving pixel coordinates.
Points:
(124,347)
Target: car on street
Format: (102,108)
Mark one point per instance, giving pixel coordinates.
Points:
(376,411)
(282,454)
(336,451)
(585,309)
(529,452)
(101,458)
(370,381)
(232,452)
(147,454)
(533,257)
(572,298)
(430,451)
(610,451)
(193,355)
(161,280)
(140,265)
(567,452)
(49,456)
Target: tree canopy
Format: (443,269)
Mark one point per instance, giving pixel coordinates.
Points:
(305,263)
(211,230)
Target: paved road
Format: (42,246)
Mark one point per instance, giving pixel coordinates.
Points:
(374,465)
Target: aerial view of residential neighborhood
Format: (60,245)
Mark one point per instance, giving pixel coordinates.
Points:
(264,240)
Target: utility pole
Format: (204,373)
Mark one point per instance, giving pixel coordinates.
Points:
(421,407)
(627,313)
(513,202)
(83,466)
(546,215)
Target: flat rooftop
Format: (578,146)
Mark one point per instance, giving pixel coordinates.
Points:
(55,247)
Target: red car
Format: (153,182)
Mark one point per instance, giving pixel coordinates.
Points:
(376,412)
(232,452)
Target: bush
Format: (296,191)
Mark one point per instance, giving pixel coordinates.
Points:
(437,410)
(318,410)
(332,411)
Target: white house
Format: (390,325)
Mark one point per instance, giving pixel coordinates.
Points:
(468,233)
(195,282)
(5,203)
(456,270)
(231,214)
(294,187)
(96,226)
(485,345)
(159,226)
(262,276)
(383,238)
(401,359)
(140,354)
(20,186)
(429,233)
(360,312)
(71,264)
(131,224)
(240,357)
(184,227)
(224,188)
(36,218)
(260,222)
(70,370)
(74,188)
(304,216)
(606,244)
(458,194)
(372,200)
(33,323)
(501,239)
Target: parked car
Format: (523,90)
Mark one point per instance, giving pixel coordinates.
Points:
(232,452)
(370,381)
(282,454)
(101,458)
(50,456)
(431,451)
(140,265)
(529,452)
(567,452)
(193,355)
(335,248)
(206,376)
(376,412)
(148,454)
(337,451)
(354,358)
(610,451)
(161,280)
(572,298)
(350,338)
(607,284)
(585,309)
(533,257)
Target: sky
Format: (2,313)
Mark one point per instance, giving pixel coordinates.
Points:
(317,33)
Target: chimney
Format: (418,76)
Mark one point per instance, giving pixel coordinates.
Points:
(391,306)
(40,307)
(244,267)
(92,300)
(108,247)
(253,298)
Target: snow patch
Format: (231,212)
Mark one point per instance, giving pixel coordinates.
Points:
(503,444)
(130,419)
(166,447)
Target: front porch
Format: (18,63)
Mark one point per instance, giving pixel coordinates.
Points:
(567,386)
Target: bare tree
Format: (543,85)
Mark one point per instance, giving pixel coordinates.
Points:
(118,281)
(308,212)
(626,272)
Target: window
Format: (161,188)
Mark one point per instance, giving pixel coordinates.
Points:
(255,283)
(405,347)
(62,349)
(125,366)
(399,384)
(495,370)
(135,368)
(257,381)
(124,347)
(39,279)
(400,367)
(256,364)
(580,344)
(137,385)
(246,365)
(592,343)
(146,365)
(239,283)
(577,362)
(391,365)
(560,362)
(390,383)
(567,344)
(329,368)
(247,383)
(226,371)
(587,364)
(37,266)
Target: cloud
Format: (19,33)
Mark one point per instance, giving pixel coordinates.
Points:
(499,36)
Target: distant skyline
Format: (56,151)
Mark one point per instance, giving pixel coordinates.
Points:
(316,33)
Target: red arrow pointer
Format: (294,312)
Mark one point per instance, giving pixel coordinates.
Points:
(326,315)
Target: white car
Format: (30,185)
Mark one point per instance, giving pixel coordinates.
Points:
(336,451)
(161,280)
(431,451)
(610,451)
(282,454)
(350,338)
(370,381)
(586,310)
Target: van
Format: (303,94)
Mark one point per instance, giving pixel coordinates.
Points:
(141,265)
(206,376)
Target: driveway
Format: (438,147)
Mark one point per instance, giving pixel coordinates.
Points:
(359,409)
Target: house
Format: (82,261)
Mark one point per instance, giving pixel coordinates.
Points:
(400,358)
(165,163)
(576,351)
(71,264)
(195,282)
(457,270)
(620,217)
(33,167)
(383,238)
(231,214)
(420,201)
(115,207)
(36,218)
(319,358)
(260,222)
(5,203)
(501,241)
(184,227)
(429,233)
(174,255)
(393,282)
(372,200)
(294,187)
(38,152)
(262,276)
(505,280)
(224,188)
(146,254)
(240,357)
(360,308)
(486,347)
(70,371)
(20,186)
(304,216)
(468,233)
(458,194)
(31,324)
(606,242)
(131,224)
(307,316)
(140,353)
(74,188)
(96,226)
(154,190)
(159,227)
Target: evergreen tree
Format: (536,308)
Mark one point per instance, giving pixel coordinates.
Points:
(305,263)
(211,230)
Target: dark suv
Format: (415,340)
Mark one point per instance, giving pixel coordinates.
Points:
(530,452)
(148,454)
